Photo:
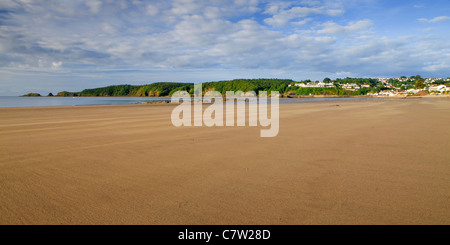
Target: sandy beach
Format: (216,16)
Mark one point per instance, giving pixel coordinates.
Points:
(334,162)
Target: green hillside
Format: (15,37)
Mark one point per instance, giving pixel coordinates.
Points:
(154,89)
(167,88)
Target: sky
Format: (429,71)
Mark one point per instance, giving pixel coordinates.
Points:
(55,45)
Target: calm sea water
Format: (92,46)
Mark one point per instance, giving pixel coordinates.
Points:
(16,101)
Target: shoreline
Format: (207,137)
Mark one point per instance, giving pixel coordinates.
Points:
(163,102)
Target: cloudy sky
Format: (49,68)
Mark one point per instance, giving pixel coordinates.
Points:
(54,45)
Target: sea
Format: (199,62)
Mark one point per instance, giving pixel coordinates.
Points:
(17,101)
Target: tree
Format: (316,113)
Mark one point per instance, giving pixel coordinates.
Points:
(326,80)
(420,83)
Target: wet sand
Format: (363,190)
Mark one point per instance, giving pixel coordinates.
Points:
(362,162)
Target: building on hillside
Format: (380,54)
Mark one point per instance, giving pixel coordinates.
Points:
(387,93)
(384,81)
(439,88)
(413,91)
(350,86)
(314,85)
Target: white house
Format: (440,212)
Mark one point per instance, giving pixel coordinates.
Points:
(350,86)
(384,81)
(386,93)
(315,85)
(440,88)
(413,91)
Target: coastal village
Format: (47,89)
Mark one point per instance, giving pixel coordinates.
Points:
(287,88)
(402,86)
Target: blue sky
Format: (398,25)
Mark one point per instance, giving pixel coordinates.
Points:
(53,45)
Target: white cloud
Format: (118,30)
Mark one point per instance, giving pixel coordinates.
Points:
(197,31)
(6,4)
(56,65)
(291,12)
(185,7)
(248,5)
(303,11)
(302,22)
(283,17)
(152,10)
(212,12)
(335,12)
(276,7)
(94,5)
(436,19)
(332,28)
(108,28)
(433,67)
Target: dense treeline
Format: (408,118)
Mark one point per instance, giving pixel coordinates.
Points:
(154,89)
(246,85)
(372,82)
(167,88)
(31,95)
(442,82)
